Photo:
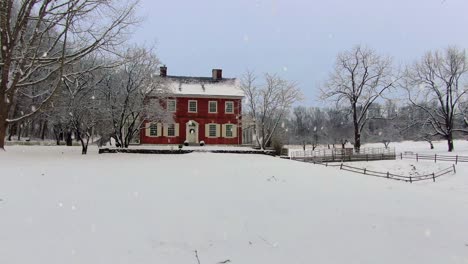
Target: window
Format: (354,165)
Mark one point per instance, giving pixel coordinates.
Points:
(171,130)
(212,130)
(171,105)
(153,130)
(229,131)
(192,106)
(212,107)
(229,109)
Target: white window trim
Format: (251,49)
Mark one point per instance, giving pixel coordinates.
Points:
(175,105)
(196,106)
(209,108)
(216,130)
(168,125)
(232,132)
(225,107)
(153,124)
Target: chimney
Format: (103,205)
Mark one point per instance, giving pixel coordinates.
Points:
(217,74)
(163,71)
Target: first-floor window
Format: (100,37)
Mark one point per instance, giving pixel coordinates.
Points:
(153,129)
(212,130)
(229,131)
(171,130)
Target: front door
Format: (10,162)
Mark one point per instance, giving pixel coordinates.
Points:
(192,132)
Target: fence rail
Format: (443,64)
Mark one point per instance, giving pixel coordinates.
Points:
(410,178)
(346,154)
(434,157)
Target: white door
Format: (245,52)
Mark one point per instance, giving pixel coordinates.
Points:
(192,132)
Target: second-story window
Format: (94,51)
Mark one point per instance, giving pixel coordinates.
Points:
(229,109)
(212,107)
(171,105)
(192,106)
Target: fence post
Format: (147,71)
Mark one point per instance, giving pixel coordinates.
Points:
(365,170)
(417,157)
(454,171)
(367,157)
(435,158)
(388,174)
(401,155)
(433,176)
(341,166)
(456,159)
(410,179)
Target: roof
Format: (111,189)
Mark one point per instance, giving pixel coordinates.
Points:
(203,86)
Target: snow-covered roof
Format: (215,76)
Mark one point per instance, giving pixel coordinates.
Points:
(203,86)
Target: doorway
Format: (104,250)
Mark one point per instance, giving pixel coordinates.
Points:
(192,132)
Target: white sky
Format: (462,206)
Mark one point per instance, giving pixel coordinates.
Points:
(298,39)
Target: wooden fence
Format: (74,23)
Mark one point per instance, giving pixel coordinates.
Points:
(431,176)
(346,154)
(411,178)
(433,157)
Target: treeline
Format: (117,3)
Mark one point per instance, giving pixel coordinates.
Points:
(332,127)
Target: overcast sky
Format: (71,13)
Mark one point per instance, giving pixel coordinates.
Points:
(298,39)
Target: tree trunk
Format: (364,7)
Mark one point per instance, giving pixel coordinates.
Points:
(11,131)
(450,142)
(43,129)
(3,129)
(432,145)
(69,139)
(357,133)
(18,131)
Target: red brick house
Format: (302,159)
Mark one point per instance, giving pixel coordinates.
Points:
(205,110)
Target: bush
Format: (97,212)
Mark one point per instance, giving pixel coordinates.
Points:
(181,146)
(277,145)
(186,143)
(202,143)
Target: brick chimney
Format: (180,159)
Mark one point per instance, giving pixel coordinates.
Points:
(217,74)
(163,71)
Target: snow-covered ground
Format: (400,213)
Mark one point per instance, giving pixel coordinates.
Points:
(58,206)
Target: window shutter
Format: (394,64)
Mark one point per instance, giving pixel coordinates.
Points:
(223,130)
(165,130)
(207,128)
(147,129)
(218,130)
(159,125)
(176,128)
(234,131)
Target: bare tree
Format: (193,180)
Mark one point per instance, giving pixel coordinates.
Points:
(360,77)
(134,94)
(41,38)
(309,125)
(268,104)
(434,85)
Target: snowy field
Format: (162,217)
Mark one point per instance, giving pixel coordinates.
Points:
(57,206)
